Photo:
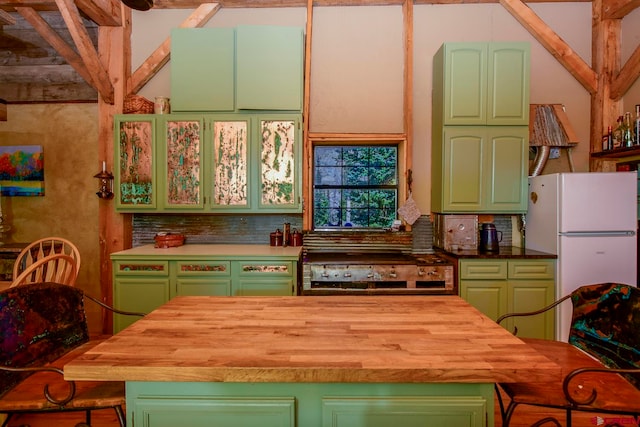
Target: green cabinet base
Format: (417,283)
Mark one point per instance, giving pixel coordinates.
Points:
(164,404)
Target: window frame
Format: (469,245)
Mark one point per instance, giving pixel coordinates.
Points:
(345,140)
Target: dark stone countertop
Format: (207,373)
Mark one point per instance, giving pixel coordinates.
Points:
(506,252)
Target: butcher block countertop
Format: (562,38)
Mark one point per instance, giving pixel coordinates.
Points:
(208,251)
(307,339)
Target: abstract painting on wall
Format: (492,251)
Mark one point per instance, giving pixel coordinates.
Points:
(22,170)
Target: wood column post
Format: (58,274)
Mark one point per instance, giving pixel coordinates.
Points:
(114,229)
(606,63)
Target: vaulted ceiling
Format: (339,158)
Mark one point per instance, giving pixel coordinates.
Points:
(48,48)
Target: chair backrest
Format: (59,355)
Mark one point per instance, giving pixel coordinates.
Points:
(58,268)
(605,323)
(39,322)
(43,247)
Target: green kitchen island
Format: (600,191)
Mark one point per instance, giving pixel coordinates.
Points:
(308,361)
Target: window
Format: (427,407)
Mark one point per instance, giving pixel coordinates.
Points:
(354,186)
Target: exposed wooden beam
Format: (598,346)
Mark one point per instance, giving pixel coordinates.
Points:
(85,47)
(49,5)
(161,55)
(605,52)
(627,76)
(553,43)
(407,16)
(52,37)
(307,196)
(6,18)
(102,12)
(618,9)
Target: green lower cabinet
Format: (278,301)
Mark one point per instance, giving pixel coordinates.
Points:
(264,278)
(139,286)
(405,412)
(200,404)
(496,287)
(221,412)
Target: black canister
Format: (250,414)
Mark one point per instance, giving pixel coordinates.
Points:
(489,238)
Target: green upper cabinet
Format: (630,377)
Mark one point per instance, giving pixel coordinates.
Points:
(482,84)
(181,168)
(480,169)
(230,156)
(480,128)
(135,163)
(233,69)
(233,162)
(202,69)
(269,68)
(256,163)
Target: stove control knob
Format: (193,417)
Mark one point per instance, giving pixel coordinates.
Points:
(325,274)
(370,275)
(393,274)
(347,274)
(421,272)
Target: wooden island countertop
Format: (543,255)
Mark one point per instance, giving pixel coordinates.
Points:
(309,339)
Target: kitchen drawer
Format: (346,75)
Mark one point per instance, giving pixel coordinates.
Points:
(141,268)
(483,269)
(532,269)
(203,268)
(262,268)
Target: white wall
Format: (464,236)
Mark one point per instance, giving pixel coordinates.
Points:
(357,64)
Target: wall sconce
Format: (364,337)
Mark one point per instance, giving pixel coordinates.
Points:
(105,189)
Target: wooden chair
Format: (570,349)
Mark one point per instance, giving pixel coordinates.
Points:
(58,268)
(601,361)
(43,247)
(43,326)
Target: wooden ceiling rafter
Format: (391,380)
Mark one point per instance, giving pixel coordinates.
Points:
(106,13)
(6,18)
(86,49)
(554,44)
(162,54)
(618,9)
(50,35)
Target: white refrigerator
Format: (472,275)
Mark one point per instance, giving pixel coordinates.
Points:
(589,221)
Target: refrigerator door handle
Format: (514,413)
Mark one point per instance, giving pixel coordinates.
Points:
(628,233)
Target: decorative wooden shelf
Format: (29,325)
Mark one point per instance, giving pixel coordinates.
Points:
(617,153)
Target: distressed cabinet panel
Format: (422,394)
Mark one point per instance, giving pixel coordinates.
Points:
(135,162)
(230,181)
(182,165)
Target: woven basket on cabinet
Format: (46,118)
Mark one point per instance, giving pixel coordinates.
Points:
(136,104)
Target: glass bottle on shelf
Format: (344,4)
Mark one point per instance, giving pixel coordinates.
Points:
(618,133)
(627,139)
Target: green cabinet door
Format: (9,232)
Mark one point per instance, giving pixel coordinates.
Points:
(202,69)
(531,286)
(280,157)
(197,277)
(507,169)
(269,68)
(212,411)
(181,169)
(135,184)
(264,278)
(230,139)
(481,169)
(404,411)
(482,83)
(508,84)
(139,286)
(483,284)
